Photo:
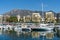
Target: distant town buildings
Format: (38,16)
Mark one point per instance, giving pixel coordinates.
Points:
(5,18)
(49,17)
(1,19)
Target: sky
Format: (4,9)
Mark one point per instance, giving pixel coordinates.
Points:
(7,5)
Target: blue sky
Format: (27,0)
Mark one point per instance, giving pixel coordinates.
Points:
(7,5)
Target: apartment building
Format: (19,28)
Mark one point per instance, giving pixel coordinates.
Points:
(49,17)
(36,17)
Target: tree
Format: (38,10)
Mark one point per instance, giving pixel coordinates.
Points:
(12,19)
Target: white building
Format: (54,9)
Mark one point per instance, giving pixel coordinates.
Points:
(50,17)
(1,19)
(5,18)
(36,17)
(18,17)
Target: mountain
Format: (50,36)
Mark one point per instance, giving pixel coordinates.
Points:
(21,12)
(15,12)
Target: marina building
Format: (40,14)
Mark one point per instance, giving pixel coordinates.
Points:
(36,17)
(1,19)
(58,17)
(18,17)
(49,17)
(5,18)
(27,18)
(24,19)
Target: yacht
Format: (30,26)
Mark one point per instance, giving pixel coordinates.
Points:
(10,27)
(17,28)
(43,27)
(1,27)
(26,27)
(47,27)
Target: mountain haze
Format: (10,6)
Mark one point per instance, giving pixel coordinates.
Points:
(15,12)
(21,12)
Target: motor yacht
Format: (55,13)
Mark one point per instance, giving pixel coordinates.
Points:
(47,26)
(26,27)
(43,27)
(17,28)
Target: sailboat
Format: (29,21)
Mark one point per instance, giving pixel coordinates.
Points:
(43,26)
(47,26)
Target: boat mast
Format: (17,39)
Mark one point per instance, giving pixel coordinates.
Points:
(42,14)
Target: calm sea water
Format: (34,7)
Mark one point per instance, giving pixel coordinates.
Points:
(25,36)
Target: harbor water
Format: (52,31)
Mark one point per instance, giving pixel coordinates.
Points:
(28,36)
(17,33)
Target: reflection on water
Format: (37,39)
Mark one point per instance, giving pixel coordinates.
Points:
(35,34)
(50,35)
(27,36)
